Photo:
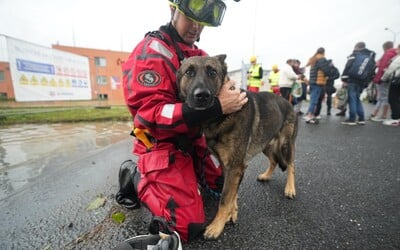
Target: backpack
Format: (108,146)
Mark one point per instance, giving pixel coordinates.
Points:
(363,66)
(330,87)
(334,73)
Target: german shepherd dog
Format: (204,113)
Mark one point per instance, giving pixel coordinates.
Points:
(267,123)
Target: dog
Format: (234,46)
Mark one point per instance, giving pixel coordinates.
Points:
(267,123)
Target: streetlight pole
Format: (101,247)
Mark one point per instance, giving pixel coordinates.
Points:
(394,34)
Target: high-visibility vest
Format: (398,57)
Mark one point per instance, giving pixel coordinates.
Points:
(274,77)
(254,72)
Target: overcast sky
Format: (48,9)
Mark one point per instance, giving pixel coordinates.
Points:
(272,30)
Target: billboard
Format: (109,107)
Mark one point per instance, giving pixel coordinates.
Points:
(45,74)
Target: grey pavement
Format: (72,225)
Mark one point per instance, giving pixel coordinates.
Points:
(348,197)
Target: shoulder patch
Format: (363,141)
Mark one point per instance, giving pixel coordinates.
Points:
(149,78)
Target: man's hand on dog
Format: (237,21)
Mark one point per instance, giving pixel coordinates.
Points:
(231,98)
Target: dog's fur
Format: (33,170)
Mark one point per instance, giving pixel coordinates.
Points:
(267,124)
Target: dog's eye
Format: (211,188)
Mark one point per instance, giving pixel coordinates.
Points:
(211,72)
(190,72)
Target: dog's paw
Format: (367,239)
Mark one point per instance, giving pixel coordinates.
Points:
(263,178)
(214,230)
(290,193)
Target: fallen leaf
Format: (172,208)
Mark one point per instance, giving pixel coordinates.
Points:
(96,203)
(118,217)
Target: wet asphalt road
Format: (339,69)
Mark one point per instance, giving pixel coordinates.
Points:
(348,197)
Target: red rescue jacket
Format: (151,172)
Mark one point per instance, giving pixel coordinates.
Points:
(149,83)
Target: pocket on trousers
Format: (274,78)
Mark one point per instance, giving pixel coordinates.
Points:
(174,179)
(154,161)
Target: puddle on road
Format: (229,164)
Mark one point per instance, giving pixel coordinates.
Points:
(27,151)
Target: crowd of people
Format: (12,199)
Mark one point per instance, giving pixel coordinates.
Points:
(360,70)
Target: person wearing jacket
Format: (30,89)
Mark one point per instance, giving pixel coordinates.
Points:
(383,86)
(355,86)
(286,79)
(273,79)
(327,91)
(304,82)
(319,72)
(393,71)
(254,75)
(172,154)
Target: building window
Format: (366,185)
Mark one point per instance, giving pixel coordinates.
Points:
(102,80)
(3,96)
(1,76)
(102,96)
(100,61)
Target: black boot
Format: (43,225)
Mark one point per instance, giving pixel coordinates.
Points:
(129,177)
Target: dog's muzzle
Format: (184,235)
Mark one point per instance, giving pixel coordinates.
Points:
(202,98)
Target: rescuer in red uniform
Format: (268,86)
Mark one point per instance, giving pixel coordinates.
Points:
(173,161)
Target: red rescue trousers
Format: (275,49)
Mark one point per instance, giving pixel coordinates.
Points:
(169,184)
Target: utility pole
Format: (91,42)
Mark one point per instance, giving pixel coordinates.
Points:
(255,28)
(394,34)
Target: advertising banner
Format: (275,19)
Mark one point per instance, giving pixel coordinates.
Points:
(45,74)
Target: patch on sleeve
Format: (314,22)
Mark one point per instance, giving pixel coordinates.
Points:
(168,111)
(149,78)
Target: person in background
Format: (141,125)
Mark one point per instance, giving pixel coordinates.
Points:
(392,75)
(286,79)
(273,79)
(172,154)
(318,77)
(304,83)
(355,86)
(383,86)
(254,75)
(327,91)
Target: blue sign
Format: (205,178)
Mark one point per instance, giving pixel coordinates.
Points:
(30,66)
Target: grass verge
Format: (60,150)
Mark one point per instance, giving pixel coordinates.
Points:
(10,116)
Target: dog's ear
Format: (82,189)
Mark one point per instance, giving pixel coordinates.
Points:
(221,58)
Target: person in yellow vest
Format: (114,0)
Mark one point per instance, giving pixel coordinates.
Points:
(273,80)
(254,75)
